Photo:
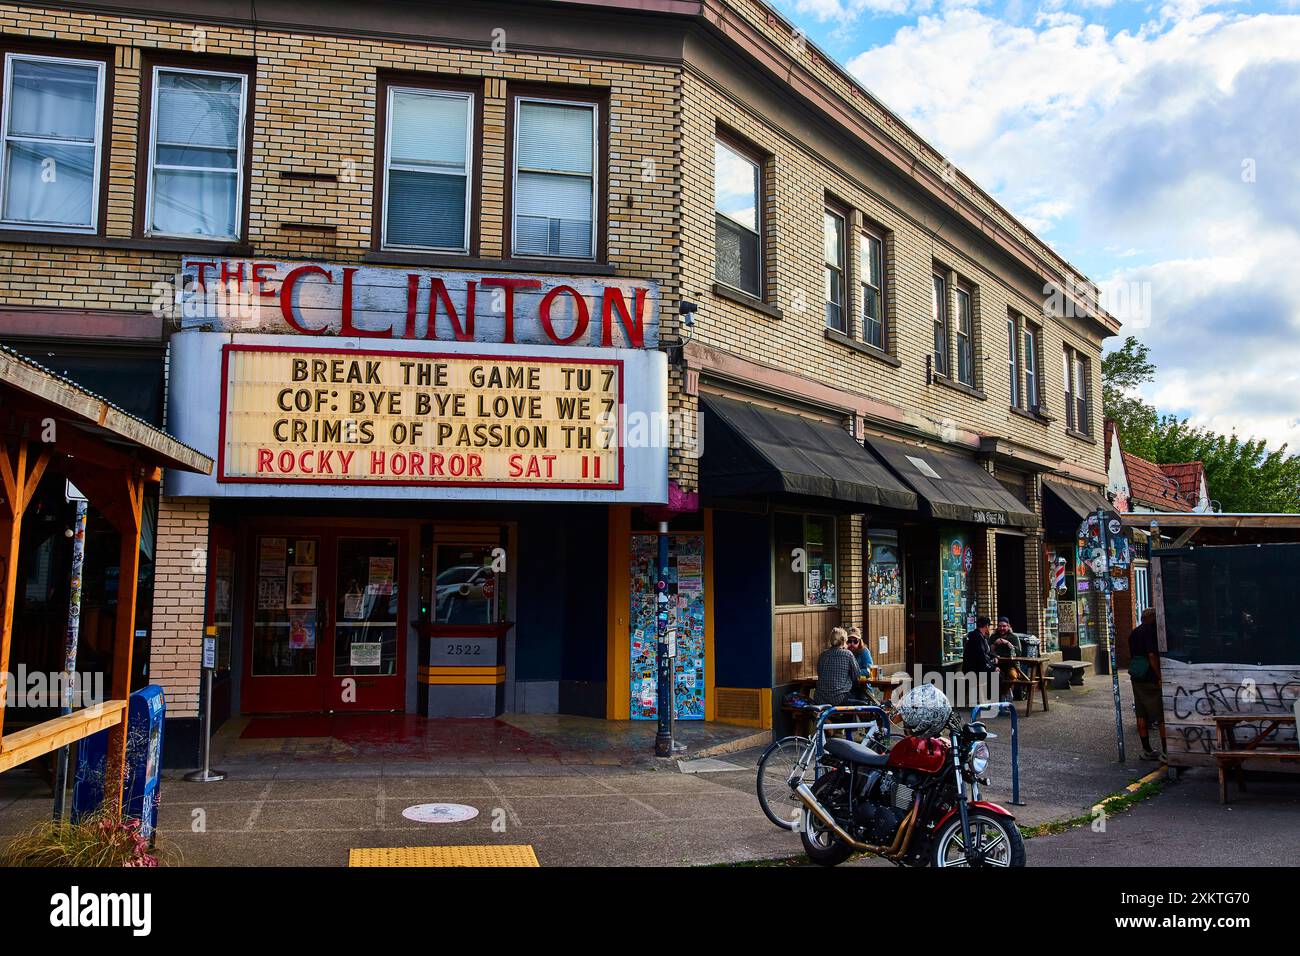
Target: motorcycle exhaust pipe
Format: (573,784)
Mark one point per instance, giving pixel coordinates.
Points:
(806,795)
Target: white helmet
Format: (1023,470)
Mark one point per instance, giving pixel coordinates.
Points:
(925,711)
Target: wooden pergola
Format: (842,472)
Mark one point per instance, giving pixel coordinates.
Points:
(49,424)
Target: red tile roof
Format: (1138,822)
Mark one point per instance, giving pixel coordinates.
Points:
(1188,474)
(1150,485)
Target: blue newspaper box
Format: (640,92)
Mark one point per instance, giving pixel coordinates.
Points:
(144,740)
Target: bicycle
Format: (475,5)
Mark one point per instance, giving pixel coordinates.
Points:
(785,762)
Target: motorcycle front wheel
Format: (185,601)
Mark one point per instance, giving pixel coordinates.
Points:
(996,837)
(820,843)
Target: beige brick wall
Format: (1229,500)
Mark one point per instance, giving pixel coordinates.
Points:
(178,603)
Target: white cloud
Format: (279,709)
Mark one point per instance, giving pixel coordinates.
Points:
(1105,142)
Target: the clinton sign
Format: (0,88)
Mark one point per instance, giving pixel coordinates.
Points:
(319,299)
(313,380)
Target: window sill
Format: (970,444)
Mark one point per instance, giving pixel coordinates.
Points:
(839,338)
(957,386)
(1034,416)
(747,300)
(803,608)
(86,241)
(443,260)
(1080,436)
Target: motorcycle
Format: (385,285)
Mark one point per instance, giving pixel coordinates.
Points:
(918,804)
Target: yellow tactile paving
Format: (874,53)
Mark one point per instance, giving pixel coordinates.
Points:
(443,856)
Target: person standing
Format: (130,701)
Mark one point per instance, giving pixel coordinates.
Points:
(977,659)
(837,670)
(1144,674)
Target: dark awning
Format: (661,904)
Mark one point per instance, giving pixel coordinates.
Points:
(956,488)
(1081,501)
(752,450)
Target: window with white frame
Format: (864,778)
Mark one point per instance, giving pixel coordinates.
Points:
(871,275)
(939,315)
(555,178)
(53,140)
(965,338)
(837,316)
(196,153)
(736,185)
(1033,398)
(1013,359)
(428,150)
(1077,411)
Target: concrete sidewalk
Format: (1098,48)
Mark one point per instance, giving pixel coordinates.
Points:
(618,807)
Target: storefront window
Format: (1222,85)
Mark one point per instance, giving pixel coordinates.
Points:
(285,620)
(466,590)
(885,577)
(957,598)
(368,607)
(804,560)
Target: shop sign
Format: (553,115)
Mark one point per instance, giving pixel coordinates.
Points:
(296,298)
(333,416)
(998,518)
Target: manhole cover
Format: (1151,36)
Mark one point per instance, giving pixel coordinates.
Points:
(440,813)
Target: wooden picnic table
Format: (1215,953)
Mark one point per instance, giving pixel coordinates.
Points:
(803,716)
(1032,670)
(1233,754)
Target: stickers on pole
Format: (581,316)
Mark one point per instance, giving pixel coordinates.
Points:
(440,813)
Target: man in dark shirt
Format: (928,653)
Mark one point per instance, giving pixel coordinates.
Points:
(1144,673)
(977,655)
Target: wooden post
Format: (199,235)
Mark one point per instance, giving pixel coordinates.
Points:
(19,484)
(127,520)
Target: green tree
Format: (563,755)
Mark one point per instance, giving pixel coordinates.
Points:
(1243,475)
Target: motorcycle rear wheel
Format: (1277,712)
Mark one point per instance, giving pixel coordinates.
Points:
(820,843)
(996,835)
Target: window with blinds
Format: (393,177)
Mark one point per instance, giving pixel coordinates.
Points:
(196,156)
(53,115)
(427,175)
(555,179)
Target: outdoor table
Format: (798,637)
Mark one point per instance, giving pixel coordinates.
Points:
(806,686)
(1234,754)
(1032,669)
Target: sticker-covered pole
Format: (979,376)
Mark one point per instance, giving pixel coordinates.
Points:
(71,638)
(663,652)
(1104,582)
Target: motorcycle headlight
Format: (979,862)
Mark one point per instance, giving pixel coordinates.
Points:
(979,757)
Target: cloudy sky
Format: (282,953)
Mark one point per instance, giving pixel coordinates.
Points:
(1155,146)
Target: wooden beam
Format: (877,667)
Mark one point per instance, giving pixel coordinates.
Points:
(1186,536)
(33,742)
(19,485)
(124,638)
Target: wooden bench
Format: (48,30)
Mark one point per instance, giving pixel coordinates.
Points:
(1067,673)
(1033,680)
(1232,755)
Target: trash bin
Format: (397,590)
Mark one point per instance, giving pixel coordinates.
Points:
(1031,645)
(144,739)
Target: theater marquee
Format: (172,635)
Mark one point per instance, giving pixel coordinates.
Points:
(420,418)
(319,416)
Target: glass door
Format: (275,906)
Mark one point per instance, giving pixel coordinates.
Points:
(325,615)
(367,624)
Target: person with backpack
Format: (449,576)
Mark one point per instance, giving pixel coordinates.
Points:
(1144,674)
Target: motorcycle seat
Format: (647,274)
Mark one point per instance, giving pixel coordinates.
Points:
(855,753)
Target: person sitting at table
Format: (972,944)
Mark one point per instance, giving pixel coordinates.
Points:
(837,670)
(858,648)
(1006,644)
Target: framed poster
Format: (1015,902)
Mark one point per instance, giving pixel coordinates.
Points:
(304,552)
(301,589)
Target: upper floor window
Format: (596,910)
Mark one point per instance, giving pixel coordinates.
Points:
(196,153)
(965,338)
(555,181)
(833,241)
(53,140)
(1077,415)
(871,273)
(1013,359)
(737,187)
(427,169)
(1033,398)
(939,315)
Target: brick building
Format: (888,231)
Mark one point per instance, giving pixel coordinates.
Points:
(417,281)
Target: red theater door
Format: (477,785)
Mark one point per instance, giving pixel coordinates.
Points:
(325,619)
